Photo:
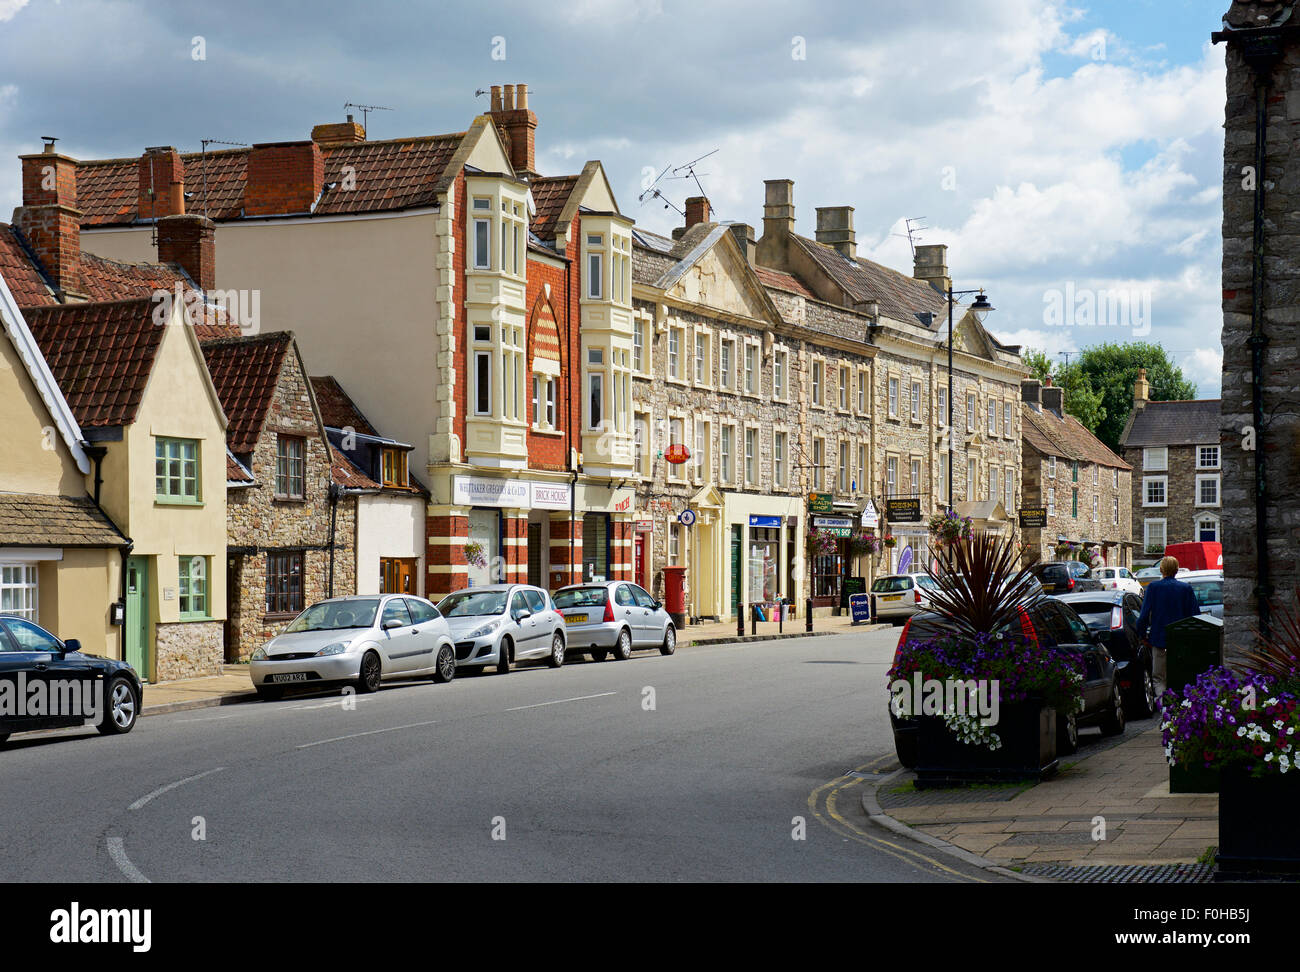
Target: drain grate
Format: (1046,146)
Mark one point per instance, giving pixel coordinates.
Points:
(1124,873)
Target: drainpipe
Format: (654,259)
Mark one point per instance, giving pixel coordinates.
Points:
(125,551)
(334,506)
(96,453)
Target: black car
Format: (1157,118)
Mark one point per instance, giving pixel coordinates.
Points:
(1113,616)
(1053,624)
(46,683)
(1065,577)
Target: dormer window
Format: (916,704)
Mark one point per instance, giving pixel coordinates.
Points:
(394,470)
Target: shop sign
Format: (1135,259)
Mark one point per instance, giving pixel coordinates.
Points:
(484,491)
(835,526)
(622,501)
(870,516)
(904,509)
(821,503)
(860,607)
(1033,517)
(687,517)
(549,496)
(645,526)
(767,522)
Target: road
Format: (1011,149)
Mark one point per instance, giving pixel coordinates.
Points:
(695,767)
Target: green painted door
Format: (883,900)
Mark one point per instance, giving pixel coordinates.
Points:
(737,548)
(137,614)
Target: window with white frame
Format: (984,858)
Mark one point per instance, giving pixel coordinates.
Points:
(916,401)
(726,453)
(1153,536)
(1096,511)
(482,369)
(819,463)
(1009,486)
(640,363)
(993,483)
(778,459)
(751,369)
(1207,490)
(1155,458)
(1096,472)
(674,352)
(970,480)
(1051,501)
(514,234)
(891,476)
(18,589)
(1008,428)
(893,398)
(970,411)
(726,355)
(700,455)
(674,543)
(621,269)
(941,476)
(543,402)
(676,436)
(1051,467)
(1115,511)
(641,443)
(862,391)
(1155,490)
(992,417)
(844,388)
(915,477)
(941,403)
(779,359)
(596,266)
(1114,473)
(844,466)
(1207,457)
(860,480)
(621,376)
(482,234)
(701,358)
(513,373)
(818,383)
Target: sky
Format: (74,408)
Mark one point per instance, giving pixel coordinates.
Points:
(1068,152)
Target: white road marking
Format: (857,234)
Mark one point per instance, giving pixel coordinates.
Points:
(372,732)
(118,853)
(208,719)
(576,698)
(171,786)
(333,704)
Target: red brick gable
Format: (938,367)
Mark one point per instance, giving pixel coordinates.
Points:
(101,356)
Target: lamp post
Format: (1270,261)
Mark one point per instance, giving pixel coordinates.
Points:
(980,308)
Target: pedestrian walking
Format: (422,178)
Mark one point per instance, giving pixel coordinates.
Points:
(1165,601)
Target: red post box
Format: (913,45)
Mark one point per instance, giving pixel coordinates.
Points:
(675,594)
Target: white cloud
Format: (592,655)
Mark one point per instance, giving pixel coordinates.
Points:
(8,8)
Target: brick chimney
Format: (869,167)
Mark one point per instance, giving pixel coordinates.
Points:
(49,218)
(931,265)
(190,241)
(283,178)
(338,133)
(778,223)
(160,182)
(744,234)
(1031,393)
(517,125)
(1054,399)
(835,229)
(697,210)
(1141,389)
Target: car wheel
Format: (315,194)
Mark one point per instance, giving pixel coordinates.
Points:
(121,707)
(503,656)
(270,693)
(556,658)
(1147,700)
(1067,734)
(445,670)
(623,650)
(372,671)
(1112,723)
(670,641)
(599,654)
(905,747)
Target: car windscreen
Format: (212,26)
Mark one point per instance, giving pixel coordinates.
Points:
(1097,615)
(333,615)
(470,604)
(887,585)
(1208,592)
(581,597)
(1049,571)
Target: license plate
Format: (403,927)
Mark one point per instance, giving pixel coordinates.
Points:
(892,597)
(290,677)
(574,618)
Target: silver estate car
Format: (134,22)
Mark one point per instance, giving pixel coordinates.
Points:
(899,596)
(614,617)
(500,624)
(362,639)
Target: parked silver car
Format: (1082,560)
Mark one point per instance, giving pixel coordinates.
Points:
(1208,585)
(501,624)
(613,618)
(363,639)
(899,596)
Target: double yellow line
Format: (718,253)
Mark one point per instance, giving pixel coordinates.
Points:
(825,798)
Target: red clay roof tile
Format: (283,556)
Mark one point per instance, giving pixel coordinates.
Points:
(245,372)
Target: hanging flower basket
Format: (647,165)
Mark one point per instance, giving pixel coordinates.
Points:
(821,544)
(862,543)
(950,527)
(890,541)
(475,555)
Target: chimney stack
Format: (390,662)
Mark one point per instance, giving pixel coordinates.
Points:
(160,181)
(49,218)
(697,210)
(190,241)
(1141,389)
(744,234)
(283,178)
(517,125)
(1031,393)
(338,133)
(835,229)
(778,223)
(1054,400)
(931,265)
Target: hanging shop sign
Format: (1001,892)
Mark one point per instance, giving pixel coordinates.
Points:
(835,526)
(906,509)
(821,503)
(1033,517)
(870,516)
(766,522)
(686,517)
(677,454)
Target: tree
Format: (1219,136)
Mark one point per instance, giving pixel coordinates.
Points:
(1081,399)
(1112,369)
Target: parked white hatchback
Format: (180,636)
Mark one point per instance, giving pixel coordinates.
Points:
(364,640)
(1117,579)
(898,596)
(500,624)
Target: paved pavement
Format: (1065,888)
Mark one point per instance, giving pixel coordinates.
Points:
(724,763)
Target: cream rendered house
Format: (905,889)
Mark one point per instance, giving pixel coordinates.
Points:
(141,392)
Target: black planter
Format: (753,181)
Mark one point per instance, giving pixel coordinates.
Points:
(1258,836)
(1028,751)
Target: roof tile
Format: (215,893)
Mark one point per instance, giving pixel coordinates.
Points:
(32,520)
(245,372)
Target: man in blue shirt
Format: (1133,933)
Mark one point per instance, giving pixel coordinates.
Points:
(1165,601)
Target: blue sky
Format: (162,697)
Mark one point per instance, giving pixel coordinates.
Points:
(1059,148)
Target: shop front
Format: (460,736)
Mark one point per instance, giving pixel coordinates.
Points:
(764,557)
(831,558)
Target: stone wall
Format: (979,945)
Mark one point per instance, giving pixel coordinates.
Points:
(187,649)
(1278,443)
(1116,539)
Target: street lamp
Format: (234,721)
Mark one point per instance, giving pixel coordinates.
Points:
(980,308)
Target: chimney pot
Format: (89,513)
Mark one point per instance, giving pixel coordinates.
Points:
(283,178)
(778,223)
(190,241)
(158,169)
(835,229)
(697,210)
(517,125)
(931,265)
(49,218)
(521,96)
(496,97)
(508,97)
